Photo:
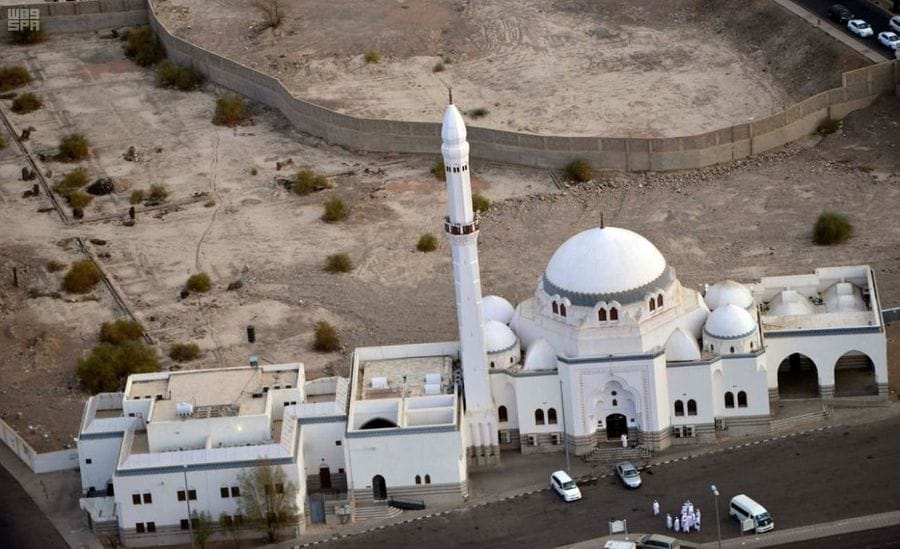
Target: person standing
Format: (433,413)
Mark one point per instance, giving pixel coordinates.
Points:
(624,440)
(668,521)
(697,518)
(655,508)
(677,525)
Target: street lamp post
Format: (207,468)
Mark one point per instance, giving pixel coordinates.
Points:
(715,492)
(562,405)
(187,499)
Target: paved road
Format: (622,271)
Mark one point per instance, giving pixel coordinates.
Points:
(22,525)
(829,475)
(862,10)
(884,538)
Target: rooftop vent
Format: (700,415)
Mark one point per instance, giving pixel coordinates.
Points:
(184,409)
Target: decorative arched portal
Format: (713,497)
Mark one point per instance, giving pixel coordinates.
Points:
(616,426)
(798,377)
(854,375)
(378,423)
(379,488)
(615,402)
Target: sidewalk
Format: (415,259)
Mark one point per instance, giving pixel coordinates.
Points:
(844,37)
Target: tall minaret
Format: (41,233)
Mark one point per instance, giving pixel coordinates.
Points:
(461,227)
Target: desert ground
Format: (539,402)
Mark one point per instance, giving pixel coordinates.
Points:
(229,216)
(571,67)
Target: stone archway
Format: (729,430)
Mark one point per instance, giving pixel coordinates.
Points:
(614,400)
(616,426)
(854,375)
(379,488)
(798,377)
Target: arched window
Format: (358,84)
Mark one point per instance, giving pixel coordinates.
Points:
(652,304)
(751,345)
(551,416)
(729,399)
(732,348)
(601,315)
(502,414)
(492,364)
(418,479)
(512,360)
(427,479)
(742,399)
(562,309)
(555,308)
(679,408)
(692,407)
(614,314)
(538,417)
(659,301)
(615,402)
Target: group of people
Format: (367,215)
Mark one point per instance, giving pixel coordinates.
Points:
(689,519)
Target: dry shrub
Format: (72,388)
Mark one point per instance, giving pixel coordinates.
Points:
(137,196)
(199,282)
(79,199)
(170,75)
(338,263)
(13,76)
(326,338)
(231,110)
(307,181)
(480,203)
(832,228)
(54,266)
(71,182)
(73,147)
(335,210)
(579,170)
(439,170)
(158,193)
(427,243)
(142,46)
(81,277)
(184,352)
(26,103)
(120,331)
(107,367)
(372,57)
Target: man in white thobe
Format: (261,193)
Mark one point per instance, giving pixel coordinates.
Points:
(624,441)
(697,519)
(677,524)
(655,508)
(669,521)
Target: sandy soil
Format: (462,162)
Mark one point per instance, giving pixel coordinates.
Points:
(575,67)
(740,221)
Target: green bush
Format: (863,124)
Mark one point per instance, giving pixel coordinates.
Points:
(230,111)
(79,199)
(427,243)
(480,203)
(830,125)
(170,75)
(184,352)
(120,331)
(335,210)
(326,338)
(107,367)
(81,277)
(338,263)
(142,47)
(158,193)
(307,181)
(71,182)
(27,36)
(13,76)
(73,147)
(372,57)
(832,228)
(199,282)
(579,170)
(137,196)
(26,103)
(480,112)
(439,170)
(439,67)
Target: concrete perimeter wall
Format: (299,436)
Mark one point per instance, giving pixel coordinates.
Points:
(82,16)
(38,463)
(859,88)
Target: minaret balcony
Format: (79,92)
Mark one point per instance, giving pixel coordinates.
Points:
(460,228)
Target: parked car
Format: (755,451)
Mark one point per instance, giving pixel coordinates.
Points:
(658,541)
(628,474)
(563,484)
(860,28)
(895,23)
(839,13)
(890,40)
(743,507)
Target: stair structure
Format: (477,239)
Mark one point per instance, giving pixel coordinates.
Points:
(614,454)
(375,511)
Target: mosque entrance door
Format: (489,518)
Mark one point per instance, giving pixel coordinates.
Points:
(379,488)
(324,477)
(616,426)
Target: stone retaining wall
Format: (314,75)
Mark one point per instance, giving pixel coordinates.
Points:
(82,16)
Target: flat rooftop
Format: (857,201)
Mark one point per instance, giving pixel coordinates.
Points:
(405,377)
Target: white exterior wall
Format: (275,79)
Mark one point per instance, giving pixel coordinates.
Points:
(692,382)
(533,393)
(319,446)
(193,433)
(103,453)
(503,390)
(825,350)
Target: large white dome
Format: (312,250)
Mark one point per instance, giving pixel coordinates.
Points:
(602,261)
(498,337)
(728,291)
(729,322)
(497,308)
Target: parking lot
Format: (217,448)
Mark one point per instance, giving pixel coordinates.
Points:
(862,10)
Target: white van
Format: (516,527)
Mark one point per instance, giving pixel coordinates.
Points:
(565,486)
(742,508)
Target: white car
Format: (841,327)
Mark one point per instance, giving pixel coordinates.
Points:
(895,23)
(890,40)
(563,484)
(860,28)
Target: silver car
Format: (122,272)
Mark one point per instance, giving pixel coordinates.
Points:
(628,474)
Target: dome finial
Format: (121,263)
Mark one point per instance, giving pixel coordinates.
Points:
(602,226)
(450,92)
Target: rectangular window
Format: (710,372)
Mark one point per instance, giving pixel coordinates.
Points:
(88,461)
(239,519)
(337,443)
(148,498)
(181,495)
(139,527)
(136,499)
(192,494)
(227,520)
(151,527)
(223,492)
(235,491)
(279,488)
(184,524)
(341,470)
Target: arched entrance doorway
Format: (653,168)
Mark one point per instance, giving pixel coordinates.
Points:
(616,426)
(798,377)
(324,477)
(379,488)
(854,375)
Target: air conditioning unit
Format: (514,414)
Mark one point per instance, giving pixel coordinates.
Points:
(678,431)
(556,438)
(532,440)
(688,431)
(720,424)
(505,437)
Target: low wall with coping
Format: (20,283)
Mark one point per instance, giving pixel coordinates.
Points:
(39,463)
(82,16)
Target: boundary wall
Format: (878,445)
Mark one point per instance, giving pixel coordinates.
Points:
(83,15)
(39,463)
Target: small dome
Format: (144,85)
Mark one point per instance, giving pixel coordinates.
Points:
(790,303)
(729,322)
(498,337)
(681,346)
(604,261)
(497,308)
(540,356)
(843,297)
(728,291)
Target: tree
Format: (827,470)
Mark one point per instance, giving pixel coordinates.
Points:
(203,527)
(231,525)
(268,500)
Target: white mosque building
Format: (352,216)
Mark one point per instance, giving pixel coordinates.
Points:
(610,343)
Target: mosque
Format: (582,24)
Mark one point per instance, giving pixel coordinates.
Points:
(611,343)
